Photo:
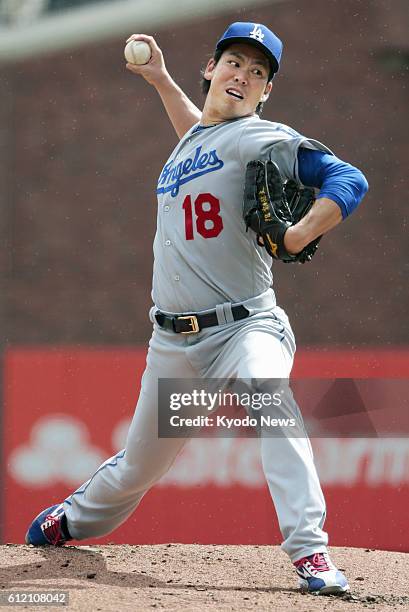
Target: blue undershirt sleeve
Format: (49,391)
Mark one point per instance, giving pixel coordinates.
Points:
(336,179)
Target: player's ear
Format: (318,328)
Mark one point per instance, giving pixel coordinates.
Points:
(267,91)
(208,72)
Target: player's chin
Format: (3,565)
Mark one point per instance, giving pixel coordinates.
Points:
(233,111)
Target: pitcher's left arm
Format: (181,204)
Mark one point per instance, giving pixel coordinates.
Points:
(342,188)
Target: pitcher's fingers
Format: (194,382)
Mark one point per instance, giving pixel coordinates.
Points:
(144,37)
(135,68)
(132,37)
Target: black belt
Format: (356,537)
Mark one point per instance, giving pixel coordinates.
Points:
(193,323)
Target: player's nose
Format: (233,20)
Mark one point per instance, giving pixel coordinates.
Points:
(240,79)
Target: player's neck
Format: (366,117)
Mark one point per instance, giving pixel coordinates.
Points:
(212,116)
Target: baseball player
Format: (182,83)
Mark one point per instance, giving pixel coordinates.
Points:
(215,313)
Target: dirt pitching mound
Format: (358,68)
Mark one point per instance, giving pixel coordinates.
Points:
(194,577)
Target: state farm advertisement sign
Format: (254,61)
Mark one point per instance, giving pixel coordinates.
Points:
(67,411)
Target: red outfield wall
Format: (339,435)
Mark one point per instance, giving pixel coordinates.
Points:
(67,410)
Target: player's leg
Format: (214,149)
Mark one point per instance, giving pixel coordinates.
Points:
(263,349)
(287,456)
(108,498)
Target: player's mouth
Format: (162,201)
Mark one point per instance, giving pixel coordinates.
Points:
(235,93)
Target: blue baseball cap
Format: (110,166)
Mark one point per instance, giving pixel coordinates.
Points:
(254,34)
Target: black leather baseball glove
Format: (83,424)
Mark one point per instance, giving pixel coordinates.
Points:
(270,207)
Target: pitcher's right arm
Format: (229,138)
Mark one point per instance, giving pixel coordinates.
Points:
(181,111)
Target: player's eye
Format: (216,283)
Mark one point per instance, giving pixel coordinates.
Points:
(258,72)
(234,62)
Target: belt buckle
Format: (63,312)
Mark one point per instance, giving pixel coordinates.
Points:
(193,323)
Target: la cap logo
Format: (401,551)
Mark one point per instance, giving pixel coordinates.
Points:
(257,33)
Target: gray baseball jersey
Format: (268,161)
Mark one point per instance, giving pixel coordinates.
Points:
(203,256)
(204,259)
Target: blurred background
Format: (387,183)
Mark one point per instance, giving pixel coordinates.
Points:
(82,142)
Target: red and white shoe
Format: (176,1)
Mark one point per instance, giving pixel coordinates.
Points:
(318,575)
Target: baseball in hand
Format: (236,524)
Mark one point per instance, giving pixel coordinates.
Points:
(137,52)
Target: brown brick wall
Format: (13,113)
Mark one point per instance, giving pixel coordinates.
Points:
(83,142)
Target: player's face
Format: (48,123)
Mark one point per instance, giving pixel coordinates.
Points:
(238,82)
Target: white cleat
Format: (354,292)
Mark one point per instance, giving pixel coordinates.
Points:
(318,575)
